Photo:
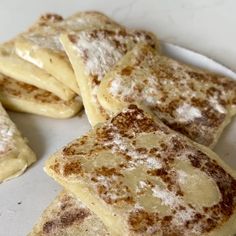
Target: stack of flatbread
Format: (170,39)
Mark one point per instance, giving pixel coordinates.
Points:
(146,167)
(37,77)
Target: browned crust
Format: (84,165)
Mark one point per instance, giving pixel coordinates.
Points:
(127,125)
(17,89)
(174,86)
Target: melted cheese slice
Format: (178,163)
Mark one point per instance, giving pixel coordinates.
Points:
(142,178)
(15,155)
(68,216)
(93,53)
(19,96)
(21,70)
(41,45)
(196,103)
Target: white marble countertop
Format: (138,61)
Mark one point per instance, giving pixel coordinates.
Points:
(206,26)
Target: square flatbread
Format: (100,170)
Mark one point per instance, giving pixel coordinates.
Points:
(24,71)
(41,45)
(19,96)
(68,216)
(142,178)
(93,53)
(196,103)
(15,155)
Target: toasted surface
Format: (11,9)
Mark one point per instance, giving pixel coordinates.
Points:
(15,155)
(19,96)
(92,54)
(196,103)
(68,216)
(19,69)
(41,45)
(142,178)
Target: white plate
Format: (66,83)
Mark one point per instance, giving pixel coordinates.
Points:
(23,199)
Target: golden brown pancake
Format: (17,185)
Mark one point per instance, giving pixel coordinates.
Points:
(142,178)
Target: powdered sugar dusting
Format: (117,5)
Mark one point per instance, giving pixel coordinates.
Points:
(142,184)
(183,216)
(120,144)
(100,54)
(116,85)
(153,163)
(137,206)
(187,112)
(7,131)
(170,199)
(48,34)
(148,95)
(101,49)
(182,176)
(176,93)
(218,107)
(167,198)
(128,146)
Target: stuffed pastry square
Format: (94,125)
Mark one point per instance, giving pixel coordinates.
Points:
(197,103)
(142,178)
